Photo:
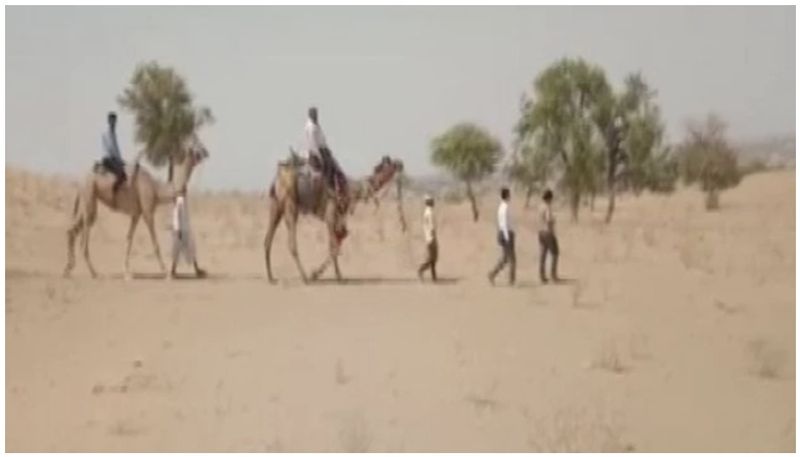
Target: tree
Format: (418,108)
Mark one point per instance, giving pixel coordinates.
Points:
(561,119)
(633,131)
(661,171)
(164,114)
(469,153)
(707,157)
(530,168)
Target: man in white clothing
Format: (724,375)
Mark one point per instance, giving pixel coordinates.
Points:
(505,237)
(182,241)
(429,230)
(321,157)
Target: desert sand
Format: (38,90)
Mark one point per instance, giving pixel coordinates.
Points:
(676,331)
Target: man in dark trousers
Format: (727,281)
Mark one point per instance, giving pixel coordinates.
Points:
(432,247)
(505,237)
(112,158)
(548,243)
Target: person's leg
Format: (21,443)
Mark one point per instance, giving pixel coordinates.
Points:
(434,258)
(512,261)
(199,271)
(176,250)
(118,168)
(427,263)
(327,167)
(542,256)
(192,254)
(501,263)
(554,251)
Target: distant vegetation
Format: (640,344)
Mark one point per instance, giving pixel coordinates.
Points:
(579,134)
(470,154)
(707,158)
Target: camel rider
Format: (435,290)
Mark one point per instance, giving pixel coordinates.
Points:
(320,156)
(112,160)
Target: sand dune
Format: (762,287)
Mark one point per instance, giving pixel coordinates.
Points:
(675,333)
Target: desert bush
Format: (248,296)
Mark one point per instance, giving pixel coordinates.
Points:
(707,158)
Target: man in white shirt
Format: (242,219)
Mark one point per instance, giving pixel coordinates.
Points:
(315,137)
(505,237)
(319,152)
(429,230)
(182,240)
(547,238)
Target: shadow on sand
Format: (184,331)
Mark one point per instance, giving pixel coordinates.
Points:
(361,281)
(531,284)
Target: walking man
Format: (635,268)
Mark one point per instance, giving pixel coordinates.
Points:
(182,240)
(429,229)
(547,238)
(505,237)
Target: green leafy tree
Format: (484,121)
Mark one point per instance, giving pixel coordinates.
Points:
(531,169)
(707,158)
(661,171)
(469,153)
(633,132)
(164,113)
(561,118)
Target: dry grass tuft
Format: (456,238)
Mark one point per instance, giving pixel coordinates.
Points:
(577,431)
(767,361)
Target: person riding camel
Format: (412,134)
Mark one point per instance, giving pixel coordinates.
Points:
(321,157)
(112,159)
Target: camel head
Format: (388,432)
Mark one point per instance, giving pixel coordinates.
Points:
(194,152)
(384,171)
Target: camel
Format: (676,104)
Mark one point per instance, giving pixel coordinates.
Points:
(295,192)
(137,197)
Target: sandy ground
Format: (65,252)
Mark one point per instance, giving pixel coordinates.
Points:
(676,333)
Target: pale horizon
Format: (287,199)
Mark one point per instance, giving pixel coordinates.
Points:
(386,79)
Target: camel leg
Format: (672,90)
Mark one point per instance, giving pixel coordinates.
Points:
(334,254)
(291,226)
(72,233)
(321,269)
(333,250)
(129,240)
(376,202)
(275,215)
(85,244)
(148,220)
(333,257)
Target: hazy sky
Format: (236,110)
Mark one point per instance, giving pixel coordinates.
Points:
(386,79)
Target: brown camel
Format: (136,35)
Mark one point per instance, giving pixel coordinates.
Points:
(294,192)
(137,197)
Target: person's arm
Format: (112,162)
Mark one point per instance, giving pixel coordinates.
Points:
(117,152)
(106,146)
(549,218)
(321,141)
(427,223)
(310,141)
